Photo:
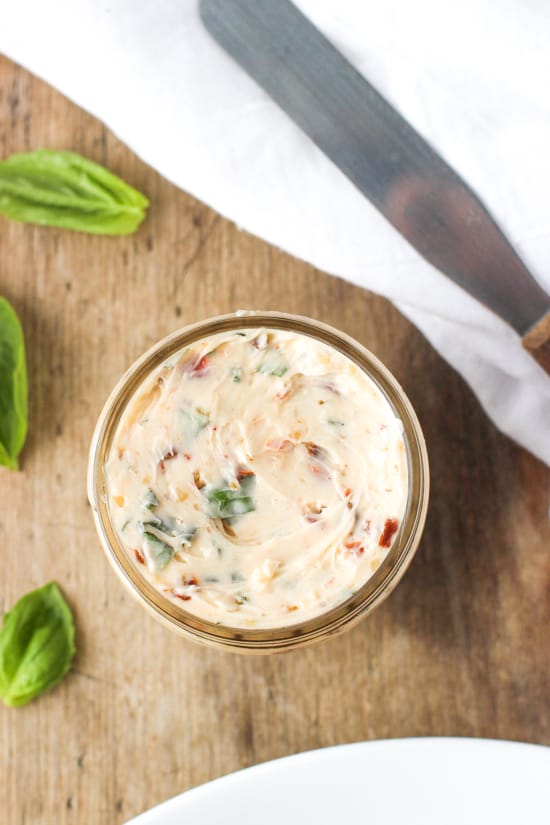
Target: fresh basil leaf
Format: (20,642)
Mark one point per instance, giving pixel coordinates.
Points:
(64,189)
(36,645)
(273,364)
(226,503)
(194,421)
(160,552)
(169,526)
(13,387)
(247,484)
(149,500)
(186,535)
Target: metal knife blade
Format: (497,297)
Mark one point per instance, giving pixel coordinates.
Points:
(379,151)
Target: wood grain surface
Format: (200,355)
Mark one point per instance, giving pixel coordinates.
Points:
(461,648)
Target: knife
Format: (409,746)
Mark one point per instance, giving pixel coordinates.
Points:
(386,159)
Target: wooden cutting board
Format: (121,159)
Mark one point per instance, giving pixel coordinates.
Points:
(461,648)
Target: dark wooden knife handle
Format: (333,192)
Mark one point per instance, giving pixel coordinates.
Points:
(537,342)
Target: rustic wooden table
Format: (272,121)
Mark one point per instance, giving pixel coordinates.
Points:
(461,648)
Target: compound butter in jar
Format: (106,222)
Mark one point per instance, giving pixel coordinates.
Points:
(257,478)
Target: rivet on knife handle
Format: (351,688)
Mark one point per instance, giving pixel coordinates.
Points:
(389,162)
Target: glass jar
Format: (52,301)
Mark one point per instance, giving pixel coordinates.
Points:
(334,620)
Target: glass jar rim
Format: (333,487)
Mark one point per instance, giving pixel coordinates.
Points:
(334,620)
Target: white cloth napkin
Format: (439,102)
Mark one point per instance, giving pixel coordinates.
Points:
(472,77)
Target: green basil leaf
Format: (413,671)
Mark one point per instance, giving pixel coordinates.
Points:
(273,364)
(227,503)
(160,552)
(149,500)
(168,526)
(36,645)
(193,422)
(64,189)
(13,387)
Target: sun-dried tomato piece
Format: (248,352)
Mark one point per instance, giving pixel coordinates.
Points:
(313,449)
(279,445)
(284,392)
(172,453)
(260,341)
(199,483)
(201,366)
(320,471)
(355,548)
(390,528)
(243,472)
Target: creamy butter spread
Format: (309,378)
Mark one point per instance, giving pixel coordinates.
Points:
(258,478)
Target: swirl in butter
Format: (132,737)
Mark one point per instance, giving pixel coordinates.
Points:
(258,478)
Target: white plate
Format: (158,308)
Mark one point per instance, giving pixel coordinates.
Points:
(392,782)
